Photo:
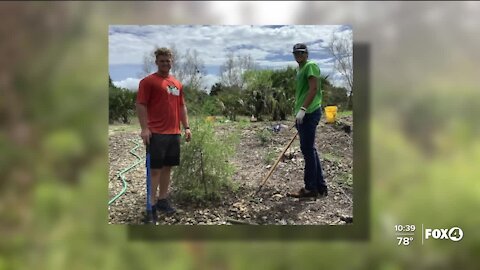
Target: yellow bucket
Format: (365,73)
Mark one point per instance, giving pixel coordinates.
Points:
(331,113)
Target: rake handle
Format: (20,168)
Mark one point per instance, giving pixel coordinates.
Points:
(276,163)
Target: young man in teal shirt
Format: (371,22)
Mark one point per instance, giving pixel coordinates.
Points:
(308,101)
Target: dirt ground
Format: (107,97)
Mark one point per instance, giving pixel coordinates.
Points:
(252,162)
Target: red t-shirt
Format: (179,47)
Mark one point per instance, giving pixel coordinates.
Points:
(164,100)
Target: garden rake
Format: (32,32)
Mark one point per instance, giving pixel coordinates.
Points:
(276,162)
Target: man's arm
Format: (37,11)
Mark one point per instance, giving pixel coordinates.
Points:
(184,120)
(142,118)
(312,91)
(184,116)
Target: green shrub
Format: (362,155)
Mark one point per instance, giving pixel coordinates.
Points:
(204,172)
(269,157)
(121,105)
(211,106)
(346,179)
(231,103)
(194,98)
(264,136)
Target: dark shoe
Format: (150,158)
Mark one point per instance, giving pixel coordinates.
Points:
(164,206)
(323,192)
(303,193)
(154,212)
(151,216)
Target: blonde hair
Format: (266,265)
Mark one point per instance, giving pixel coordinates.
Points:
(163,51)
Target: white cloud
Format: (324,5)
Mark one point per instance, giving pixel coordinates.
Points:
(129,83)
(129,43)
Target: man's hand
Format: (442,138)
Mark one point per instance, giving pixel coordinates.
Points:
(188,135)
(146,134)
(300,115)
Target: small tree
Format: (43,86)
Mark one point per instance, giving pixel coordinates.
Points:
(231,103)
(216,89)
(341,49)
(204,172)
(194,99)
(231,72)
(121,104)
(188,68)
(270,92)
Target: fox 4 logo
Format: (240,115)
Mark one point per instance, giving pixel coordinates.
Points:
(454,234)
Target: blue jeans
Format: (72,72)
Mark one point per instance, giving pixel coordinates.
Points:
(313,175)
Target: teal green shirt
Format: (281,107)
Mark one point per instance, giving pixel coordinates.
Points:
(301,83)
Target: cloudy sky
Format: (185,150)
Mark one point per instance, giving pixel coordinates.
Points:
(269,46)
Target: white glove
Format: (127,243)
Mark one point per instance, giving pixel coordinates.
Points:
(300,115)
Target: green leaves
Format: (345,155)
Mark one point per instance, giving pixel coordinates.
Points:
(204,172)
(270,92)
(336,96)
(121,104)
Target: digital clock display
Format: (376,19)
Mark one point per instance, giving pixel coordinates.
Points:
(405,228)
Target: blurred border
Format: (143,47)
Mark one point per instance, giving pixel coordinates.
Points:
(359,230)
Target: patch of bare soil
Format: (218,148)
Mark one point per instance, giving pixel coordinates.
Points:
(253,160)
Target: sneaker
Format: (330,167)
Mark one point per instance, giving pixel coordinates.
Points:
(164,206)
(323,192)
(154,213)
(151,216)
(303,193)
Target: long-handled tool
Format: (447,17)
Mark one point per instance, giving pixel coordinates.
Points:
(276,163)
(150,217)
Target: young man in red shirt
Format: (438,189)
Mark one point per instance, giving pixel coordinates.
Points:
(160,109)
